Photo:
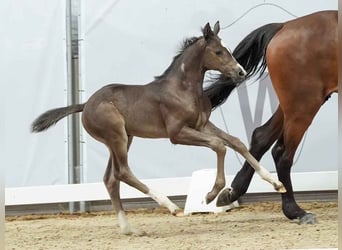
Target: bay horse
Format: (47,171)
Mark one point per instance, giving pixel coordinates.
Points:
(301,56)
(172,106)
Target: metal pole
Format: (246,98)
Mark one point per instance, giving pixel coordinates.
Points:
(72,98)
(77,166)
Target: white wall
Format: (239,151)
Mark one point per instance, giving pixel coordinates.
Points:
(126,41)
(33,77)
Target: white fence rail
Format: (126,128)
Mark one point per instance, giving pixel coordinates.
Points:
(310,181)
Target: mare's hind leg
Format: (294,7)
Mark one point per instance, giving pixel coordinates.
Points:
(283,153)
(262,139)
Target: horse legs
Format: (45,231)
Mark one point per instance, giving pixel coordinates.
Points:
(262,139)
(239,147)
(283,153)
(113,187)
(110,129)
(214,138)
(189,136)
(123,173)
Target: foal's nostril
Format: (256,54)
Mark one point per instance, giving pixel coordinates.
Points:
(241,71)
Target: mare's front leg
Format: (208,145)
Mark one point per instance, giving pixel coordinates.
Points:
(238,146)
(189,136)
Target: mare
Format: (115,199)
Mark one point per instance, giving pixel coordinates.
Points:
(301,56)
(172,106)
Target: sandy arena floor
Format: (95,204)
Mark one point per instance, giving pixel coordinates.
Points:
(252,226)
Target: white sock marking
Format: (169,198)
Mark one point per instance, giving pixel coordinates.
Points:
(123,223)
(162,200)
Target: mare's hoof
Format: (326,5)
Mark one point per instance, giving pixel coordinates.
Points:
(224,198)
(308,218)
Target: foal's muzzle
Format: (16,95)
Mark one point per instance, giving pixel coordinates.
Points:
(237,74)
(240,73)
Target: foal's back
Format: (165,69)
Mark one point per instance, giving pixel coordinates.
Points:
(136,107)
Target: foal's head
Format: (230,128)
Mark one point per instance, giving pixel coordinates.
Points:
(218,57)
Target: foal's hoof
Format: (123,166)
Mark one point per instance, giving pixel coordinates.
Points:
(224,198)
(134,232)
(209,198)
(178,213)
(308,218)
(139,233)
(279,187)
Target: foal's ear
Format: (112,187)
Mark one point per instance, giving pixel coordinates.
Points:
(216,28)
(207,32)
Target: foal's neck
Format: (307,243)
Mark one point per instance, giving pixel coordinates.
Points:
(190,69)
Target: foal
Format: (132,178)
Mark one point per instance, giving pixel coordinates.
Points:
(172,106)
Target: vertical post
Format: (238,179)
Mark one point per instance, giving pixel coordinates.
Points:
(72,98)
(69,98)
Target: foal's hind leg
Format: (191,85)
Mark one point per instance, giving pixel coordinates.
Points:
(105,123)
(113,187)
(123,173)
(262,139)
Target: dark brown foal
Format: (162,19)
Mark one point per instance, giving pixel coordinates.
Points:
(172,106)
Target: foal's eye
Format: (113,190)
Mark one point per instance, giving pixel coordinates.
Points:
(218,52)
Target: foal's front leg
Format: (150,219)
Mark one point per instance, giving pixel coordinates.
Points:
(189,136)
(238,146)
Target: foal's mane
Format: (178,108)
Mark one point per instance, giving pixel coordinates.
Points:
(186,44)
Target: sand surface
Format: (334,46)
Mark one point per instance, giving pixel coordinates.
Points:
(252,226)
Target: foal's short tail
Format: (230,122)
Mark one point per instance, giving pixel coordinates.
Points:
(251,54)
(51,117)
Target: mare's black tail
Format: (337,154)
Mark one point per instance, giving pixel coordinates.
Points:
(251,54)
(51,117)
